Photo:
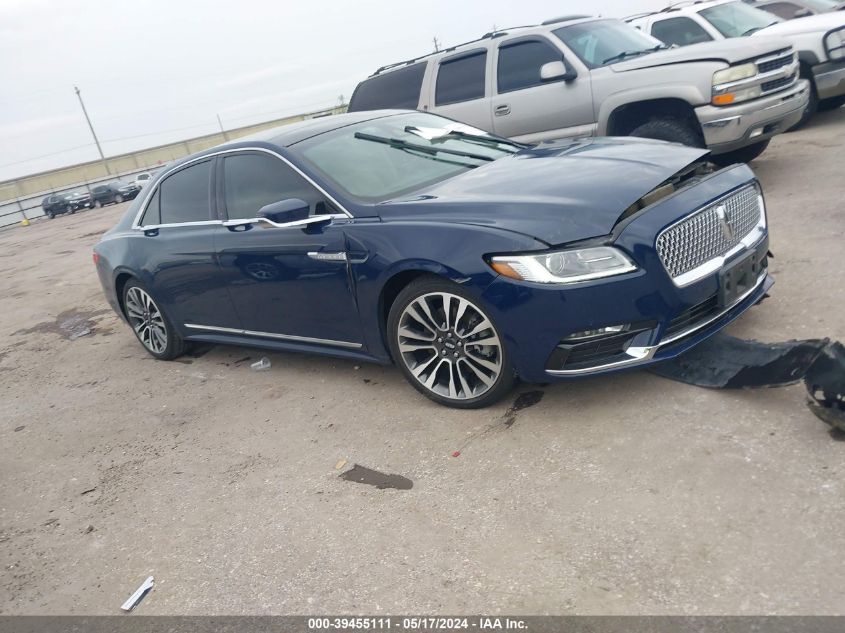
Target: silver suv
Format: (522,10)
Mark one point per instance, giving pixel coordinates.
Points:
(583,76)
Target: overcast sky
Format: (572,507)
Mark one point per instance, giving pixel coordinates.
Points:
(157,71)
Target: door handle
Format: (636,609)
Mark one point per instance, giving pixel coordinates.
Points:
(239,228)
(502,110)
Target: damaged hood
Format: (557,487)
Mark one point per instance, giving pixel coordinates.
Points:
(730,51)
(555,192)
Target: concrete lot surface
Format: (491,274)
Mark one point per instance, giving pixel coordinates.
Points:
(622,495)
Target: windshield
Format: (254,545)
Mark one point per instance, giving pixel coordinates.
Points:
(736,19)
(383,158)
(603,42)
(823,5)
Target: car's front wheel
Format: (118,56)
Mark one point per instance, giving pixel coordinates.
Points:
(118,199)
(150,324)
(97,204)
(447,346)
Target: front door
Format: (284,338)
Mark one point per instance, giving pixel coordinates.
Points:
(290,282)
(528,108)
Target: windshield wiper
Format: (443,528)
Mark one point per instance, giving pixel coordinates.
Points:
(758,28)
(426,149)
(626,54)
(488,141)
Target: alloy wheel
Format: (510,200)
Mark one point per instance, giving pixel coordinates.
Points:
(118,199)
(449,346)
(146,319)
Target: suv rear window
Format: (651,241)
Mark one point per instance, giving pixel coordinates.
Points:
(461,79)
(395,89)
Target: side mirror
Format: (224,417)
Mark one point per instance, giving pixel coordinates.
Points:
(285,211)
(553,71)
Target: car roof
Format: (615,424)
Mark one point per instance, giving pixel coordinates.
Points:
(546,26)
(683,7)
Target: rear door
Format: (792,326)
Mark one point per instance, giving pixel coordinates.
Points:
(290,282)
(531,109)
(461,88)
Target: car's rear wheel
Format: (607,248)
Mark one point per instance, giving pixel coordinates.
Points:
(447,347)
(51,215)
(150,324)
(669,129)
(118,199)
(71,210)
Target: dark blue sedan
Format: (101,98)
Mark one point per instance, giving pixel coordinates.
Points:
(466,259)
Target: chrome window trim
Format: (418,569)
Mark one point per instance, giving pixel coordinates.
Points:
(640,354)
(712,265)
(283,337)
(149,193)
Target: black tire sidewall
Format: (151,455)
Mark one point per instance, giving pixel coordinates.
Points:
(669,129)
(175,345)
(426,285)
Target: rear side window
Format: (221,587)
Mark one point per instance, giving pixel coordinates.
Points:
(519,64)
(461,79)
(396,89)
(152,216)
(252,181)
(184,196)
(680,31)
(784,10)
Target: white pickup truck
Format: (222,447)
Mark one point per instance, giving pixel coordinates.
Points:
(585,76)
(818,39)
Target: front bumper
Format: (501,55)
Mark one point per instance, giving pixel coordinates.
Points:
(829,79)
(665,319)
(728,128)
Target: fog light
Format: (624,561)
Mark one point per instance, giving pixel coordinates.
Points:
(757,131)
(602,331)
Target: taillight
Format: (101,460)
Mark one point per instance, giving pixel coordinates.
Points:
(96,257)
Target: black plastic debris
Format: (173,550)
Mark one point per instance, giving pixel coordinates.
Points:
(825,382)
(727,362)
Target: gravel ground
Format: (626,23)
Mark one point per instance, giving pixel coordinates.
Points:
(620,495)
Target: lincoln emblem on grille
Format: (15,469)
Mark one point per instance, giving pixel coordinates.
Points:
(725,221)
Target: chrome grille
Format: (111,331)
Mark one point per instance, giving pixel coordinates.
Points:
(768,64)
(702,236)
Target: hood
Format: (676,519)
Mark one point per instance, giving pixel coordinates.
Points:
(555,192)
(822,23)
(730,51)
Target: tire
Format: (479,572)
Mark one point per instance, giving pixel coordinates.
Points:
(465,375)
(744,155)
(51,215)
(71,210)
(152,328)
(669,129)
(118,199)
(834,103)
(97,204)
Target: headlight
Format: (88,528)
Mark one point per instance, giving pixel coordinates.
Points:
(564,267)
(834,42)
(724,94)
(734,73)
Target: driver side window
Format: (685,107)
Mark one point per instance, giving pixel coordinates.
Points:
(680,32)
(253,180)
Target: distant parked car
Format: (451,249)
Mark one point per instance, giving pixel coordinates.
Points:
(59,203)
(114,192)
(791,9)
(142,179)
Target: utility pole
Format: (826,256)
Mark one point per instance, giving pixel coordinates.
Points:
(91,127)
(225,136)
(436,45)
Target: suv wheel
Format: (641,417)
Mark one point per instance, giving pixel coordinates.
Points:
(118,199)
(51,215)
(97,204)
(446,345)
(669,129)
(152,327)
